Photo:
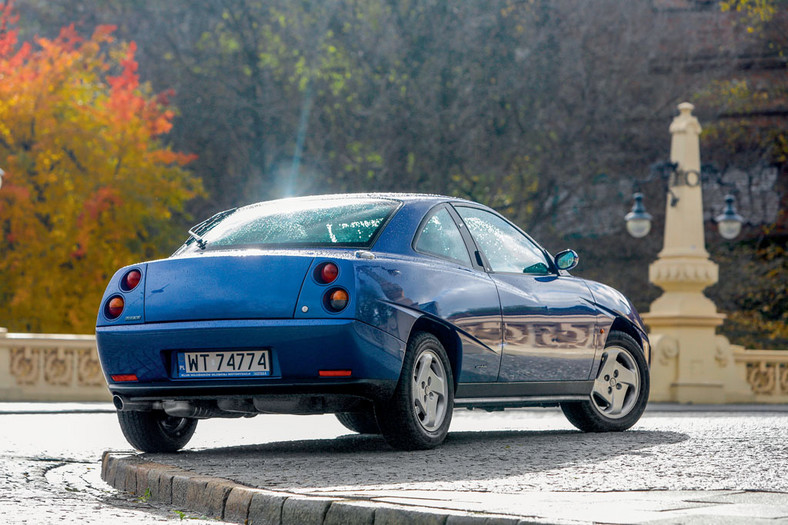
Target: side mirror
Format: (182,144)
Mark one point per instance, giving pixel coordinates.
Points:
(566,260)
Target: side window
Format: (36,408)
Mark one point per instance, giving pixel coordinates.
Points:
(440,237)
(507,249)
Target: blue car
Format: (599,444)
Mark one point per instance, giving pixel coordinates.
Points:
(388,310)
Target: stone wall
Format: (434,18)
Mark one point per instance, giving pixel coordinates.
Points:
(50,367)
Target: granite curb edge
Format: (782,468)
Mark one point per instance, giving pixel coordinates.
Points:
(232,502)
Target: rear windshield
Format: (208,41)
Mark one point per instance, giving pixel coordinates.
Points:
(350,222)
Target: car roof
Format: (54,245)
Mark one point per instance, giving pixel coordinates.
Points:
(403,197)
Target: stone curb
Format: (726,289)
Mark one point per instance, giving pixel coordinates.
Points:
(231,502)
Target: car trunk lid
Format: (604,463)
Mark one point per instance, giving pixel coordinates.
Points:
(226,286)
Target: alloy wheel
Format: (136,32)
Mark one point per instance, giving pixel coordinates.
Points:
(430,391)
(617,385)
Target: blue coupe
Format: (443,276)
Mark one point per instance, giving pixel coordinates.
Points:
(388,310)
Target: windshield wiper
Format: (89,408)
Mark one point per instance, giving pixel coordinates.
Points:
(197,232)
(200,241)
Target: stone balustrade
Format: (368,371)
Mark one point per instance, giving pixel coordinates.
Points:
(62,367)
(50,367)
(766,373)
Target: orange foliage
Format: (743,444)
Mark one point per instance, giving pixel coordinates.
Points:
(89,186)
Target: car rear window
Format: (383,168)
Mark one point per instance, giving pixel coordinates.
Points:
(350,222)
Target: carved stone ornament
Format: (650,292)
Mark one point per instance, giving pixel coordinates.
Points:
(721,355)
(783,372)
(700,272)
(762,377)
(668,349)
(89,368)
(25,365)
(58,366)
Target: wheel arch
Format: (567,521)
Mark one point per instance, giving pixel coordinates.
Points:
(448,338)
(622,324)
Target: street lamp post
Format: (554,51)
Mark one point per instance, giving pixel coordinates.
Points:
(686,366)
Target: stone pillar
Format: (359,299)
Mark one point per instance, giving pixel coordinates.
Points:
(683,320)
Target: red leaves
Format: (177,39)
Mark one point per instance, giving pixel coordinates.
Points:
(9,36)
(68,40)
(128,80)
(103,34)
(102,200)
(89,187)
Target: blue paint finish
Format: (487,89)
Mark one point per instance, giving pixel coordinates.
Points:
(550,330)
(395,291)
(228,285)
(506,327)
(299,348)
(613,303)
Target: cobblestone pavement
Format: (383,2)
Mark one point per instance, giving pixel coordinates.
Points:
(679,466)
(50,469)
(532,463)
(522,451)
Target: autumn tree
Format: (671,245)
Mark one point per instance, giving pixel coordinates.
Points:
(88,186)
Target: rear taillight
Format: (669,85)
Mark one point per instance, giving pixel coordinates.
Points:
(335,373)
(114,307)
(122,378)
(326,273)
(131,280)
(336,299)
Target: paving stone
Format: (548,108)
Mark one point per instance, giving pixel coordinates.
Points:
(153,483)
(236,508)
(266,509)
(105,463)
(129,478)
(304,511)
(398,516)
(216,493)
(197,494)
(165,485)
(180,487)
(109,466)
(348,513)
(143,482)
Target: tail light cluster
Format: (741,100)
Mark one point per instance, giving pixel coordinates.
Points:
(334,299)
(114,307)
(131,280)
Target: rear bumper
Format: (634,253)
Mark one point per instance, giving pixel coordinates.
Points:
(300,349)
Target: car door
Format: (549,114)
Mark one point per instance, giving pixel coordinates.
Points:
(468,297)
(549,320)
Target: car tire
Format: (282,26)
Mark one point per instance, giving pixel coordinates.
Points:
(361,422)
(418,415)
(155,431)
(620,391)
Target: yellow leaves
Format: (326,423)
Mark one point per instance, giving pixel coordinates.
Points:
(88,187)
(755,12)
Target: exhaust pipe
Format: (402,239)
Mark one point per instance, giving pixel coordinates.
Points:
(194,410)
(124,404)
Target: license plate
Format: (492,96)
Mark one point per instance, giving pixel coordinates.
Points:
(237,363)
